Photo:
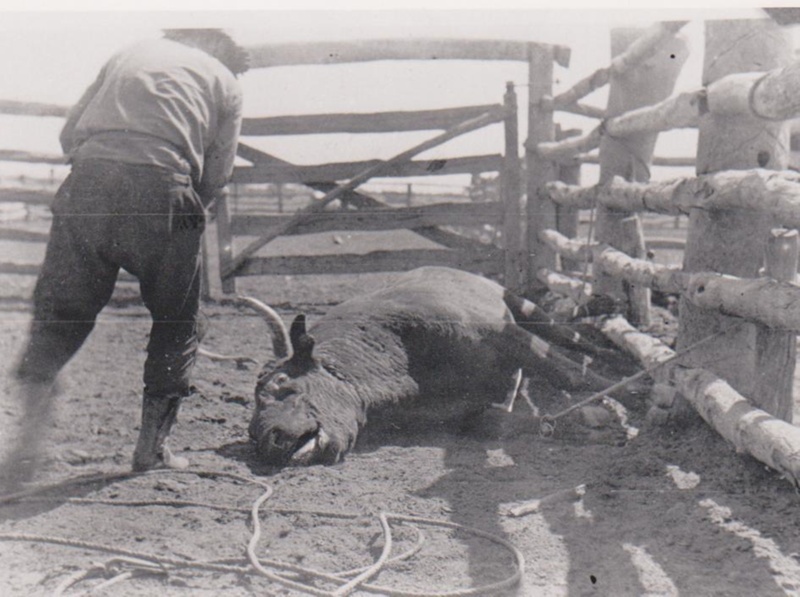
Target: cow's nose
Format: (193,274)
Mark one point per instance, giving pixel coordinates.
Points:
(280,439)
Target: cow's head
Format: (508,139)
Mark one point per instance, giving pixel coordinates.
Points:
(303,413)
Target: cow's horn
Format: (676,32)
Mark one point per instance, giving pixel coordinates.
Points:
(280,336)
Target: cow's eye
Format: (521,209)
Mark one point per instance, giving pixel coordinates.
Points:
(284,393)
(280,379)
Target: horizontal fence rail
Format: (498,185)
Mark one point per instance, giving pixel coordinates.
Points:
(644,47)
(765,191)
(287,173)
(295,54)
(27,196)
(19,108)
(10,155)
(437,214)
(489,261)
(378,122)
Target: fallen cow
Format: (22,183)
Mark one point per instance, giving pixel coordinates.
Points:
(435,333)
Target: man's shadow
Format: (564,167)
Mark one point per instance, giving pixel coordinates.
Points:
(474,488)
(30,502)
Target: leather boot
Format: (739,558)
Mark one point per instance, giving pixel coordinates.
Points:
(158,416)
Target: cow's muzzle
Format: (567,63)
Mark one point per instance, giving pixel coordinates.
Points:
(278,447)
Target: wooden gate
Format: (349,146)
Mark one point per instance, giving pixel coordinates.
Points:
(359,211)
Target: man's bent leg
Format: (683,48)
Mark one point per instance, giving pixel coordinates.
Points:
(171,291)
(170,357)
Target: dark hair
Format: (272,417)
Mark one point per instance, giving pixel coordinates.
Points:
(214,42)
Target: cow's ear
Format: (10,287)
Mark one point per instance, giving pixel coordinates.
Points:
(298,328)
(302,342)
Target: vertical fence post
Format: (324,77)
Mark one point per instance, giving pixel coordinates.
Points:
(649,82)
(735,242)
(781,345)
(279,192)
(632,242)
(225,243)
(541,211)
(510,188)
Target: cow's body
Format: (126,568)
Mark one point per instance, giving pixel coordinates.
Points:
(434,333)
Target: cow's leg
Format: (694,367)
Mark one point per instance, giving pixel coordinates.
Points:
(536,320)
(511,397)
(589,345)
(539,357)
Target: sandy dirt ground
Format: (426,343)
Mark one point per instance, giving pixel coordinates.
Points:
(672,511)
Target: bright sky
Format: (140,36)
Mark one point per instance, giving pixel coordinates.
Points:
(51,56)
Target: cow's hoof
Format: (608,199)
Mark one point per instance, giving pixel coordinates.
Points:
(595,417)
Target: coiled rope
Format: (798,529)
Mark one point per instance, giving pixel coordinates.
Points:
(139,562)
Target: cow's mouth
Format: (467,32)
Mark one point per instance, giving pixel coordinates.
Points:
(310,447)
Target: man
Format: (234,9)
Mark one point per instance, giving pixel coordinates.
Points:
(152,143)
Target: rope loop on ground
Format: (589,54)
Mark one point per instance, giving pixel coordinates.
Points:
(128,564)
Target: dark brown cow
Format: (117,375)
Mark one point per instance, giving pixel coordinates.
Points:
(435,333)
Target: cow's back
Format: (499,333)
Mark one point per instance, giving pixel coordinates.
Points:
(447,324)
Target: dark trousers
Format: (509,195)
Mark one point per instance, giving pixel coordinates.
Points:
(108,216)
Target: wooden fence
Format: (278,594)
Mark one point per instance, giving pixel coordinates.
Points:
(363,212)
(360,211)
(739,306)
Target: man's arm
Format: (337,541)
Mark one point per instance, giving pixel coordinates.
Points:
(67,137)
(219,157)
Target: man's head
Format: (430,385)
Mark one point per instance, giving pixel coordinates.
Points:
(214,42)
